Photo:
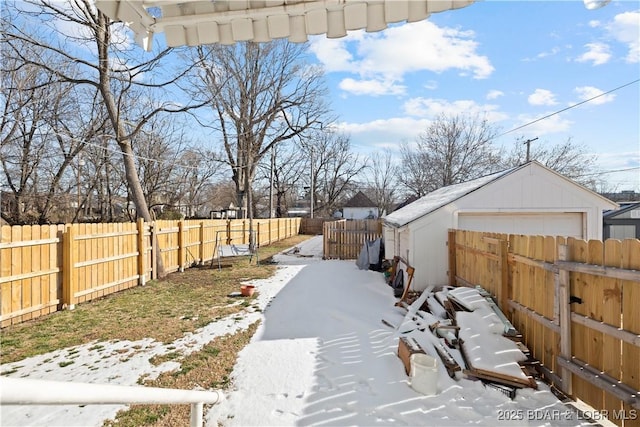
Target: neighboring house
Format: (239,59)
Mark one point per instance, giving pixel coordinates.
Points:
(528,199)
(230,212)
(404,203)
(298,212)
(360,207)
(623,223)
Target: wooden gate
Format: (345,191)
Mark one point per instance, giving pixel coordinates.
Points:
(344,239)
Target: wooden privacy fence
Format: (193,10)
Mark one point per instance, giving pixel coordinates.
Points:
(344,239)
(313,226)
(48,268)
(576,304)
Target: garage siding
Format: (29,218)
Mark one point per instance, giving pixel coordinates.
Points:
(547,224)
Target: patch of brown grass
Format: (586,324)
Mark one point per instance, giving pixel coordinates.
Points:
(209,368)
(180,303)
(163,310)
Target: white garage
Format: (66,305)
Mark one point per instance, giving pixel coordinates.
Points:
(546,224)
(529,199)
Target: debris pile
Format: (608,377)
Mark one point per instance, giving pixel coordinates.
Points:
(466,332)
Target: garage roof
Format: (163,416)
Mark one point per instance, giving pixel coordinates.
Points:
(445,195)
(439,198)
(196,22)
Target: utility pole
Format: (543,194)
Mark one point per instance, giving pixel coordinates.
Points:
(528,142)
(80,164)
(273,161)
(312,184)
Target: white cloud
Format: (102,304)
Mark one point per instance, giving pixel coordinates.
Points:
(495,94)
(431,85)
(554,51)
(399,125)
(542,97)
(384,132)
(553,124)
(389,133)
(597,53)
(588,92)
(332,53)
(80,36)
(431,108)
(389,55)
(371,87)
(548,53)
(594,23)
(625,28)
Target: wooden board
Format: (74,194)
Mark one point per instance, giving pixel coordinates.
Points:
(406,347)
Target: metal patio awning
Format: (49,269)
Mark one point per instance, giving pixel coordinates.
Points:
(197,22)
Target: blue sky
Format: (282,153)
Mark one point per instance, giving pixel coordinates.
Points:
(516,61)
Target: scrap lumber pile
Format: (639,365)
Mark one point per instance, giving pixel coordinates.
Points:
(466,331)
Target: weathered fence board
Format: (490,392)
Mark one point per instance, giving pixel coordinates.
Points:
(47,268)
(344,239)
(29,271)
(596,283)
(631,319)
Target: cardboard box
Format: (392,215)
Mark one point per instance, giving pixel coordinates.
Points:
(407,347)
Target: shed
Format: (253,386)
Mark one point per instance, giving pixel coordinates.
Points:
(360,207)
(623,223)
(528,199)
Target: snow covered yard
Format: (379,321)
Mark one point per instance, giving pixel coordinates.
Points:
(322,356)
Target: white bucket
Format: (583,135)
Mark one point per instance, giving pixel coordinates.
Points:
(424,374)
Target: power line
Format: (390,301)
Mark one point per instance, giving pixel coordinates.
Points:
(568,108)
(118,151)
(612,171)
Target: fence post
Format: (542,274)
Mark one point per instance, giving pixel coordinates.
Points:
(155,250)
(141,253)
(69,273)
(228,232)
(505,286)
(181,248)
(325,238)
(451,242)
(565,319)
(340,238)
(201,242)
(244,231)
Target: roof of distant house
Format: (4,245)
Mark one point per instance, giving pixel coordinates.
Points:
(360,200)
(624,207)
(404,203)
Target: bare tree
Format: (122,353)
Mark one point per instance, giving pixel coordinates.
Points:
(412,173)
(334,169)
(157,149)
(451,150)
(197,172)
(567,158)
(42,134)
(281,172)
(382,181)
(105,185)
(98,57)
(222,194)
(263,94)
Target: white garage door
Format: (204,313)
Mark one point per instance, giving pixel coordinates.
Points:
(545,224)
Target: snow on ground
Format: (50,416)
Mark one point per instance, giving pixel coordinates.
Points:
(322,356)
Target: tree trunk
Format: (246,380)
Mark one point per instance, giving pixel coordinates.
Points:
(133,180)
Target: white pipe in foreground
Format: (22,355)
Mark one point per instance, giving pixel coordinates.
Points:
(24,391)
